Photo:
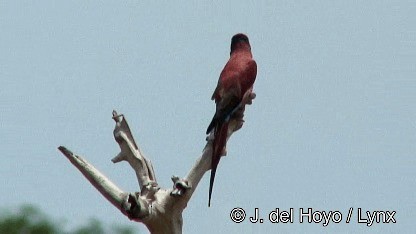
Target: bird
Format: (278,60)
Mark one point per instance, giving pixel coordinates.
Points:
(236,79)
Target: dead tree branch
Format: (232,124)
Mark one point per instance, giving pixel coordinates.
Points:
(159,209)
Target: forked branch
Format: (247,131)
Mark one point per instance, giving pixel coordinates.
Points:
(159,209)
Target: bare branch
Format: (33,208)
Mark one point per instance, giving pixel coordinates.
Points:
(107,188)
(159,209)
(131,152)
(131,205)
(203,163)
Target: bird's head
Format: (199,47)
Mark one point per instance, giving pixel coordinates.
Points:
(239,41)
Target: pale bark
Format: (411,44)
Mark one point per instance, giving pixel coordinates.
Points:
(157,208)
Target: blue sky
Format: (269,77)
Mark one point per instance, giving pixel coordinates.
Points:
(333,125)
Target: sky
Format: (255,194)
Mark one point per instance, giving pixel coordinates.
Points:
(333,126)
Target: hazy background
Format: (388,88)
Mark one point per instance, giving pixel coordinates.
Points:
(333,125)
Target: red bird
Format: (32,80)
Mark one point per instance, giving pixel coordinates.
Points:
(235,80)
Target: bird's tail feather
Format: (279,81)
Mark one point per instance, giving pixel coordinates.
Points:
(218,145)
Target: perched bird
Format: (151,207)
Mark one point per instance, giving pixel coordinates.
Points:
(236,78)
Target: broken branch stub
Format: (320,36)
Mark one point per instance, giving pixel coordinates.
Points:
(159,209)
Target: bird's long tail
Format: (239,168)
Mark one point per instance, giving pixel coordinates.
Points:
(220,134)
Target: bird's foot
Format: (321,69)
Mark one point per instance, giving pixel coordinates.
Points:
(248,97)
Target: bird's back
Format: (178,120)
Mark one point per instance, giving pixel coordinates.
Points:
(239,74)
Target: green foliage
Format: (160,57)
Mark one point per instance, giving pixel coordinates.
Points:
(27,220)
(30,220)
